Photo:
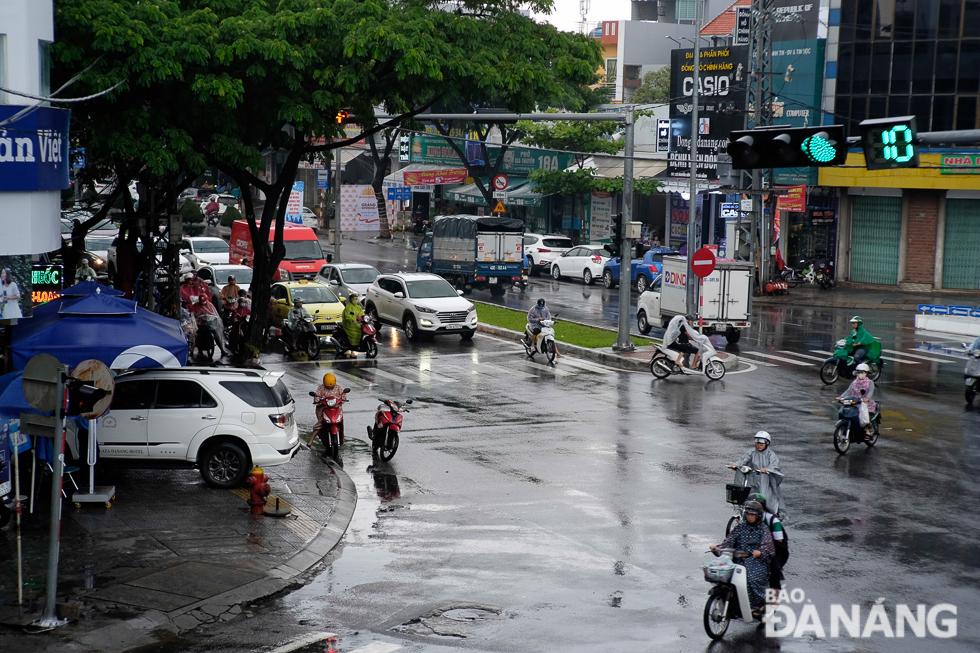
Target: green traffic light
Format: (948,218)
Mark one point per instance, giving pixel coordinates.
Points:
(819,148)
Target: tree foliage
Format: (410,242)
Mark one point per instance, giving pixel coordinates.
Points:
(584,181)
(580,137)
(655,88)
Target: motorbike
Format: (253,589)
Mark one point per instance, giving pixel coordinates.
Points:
(842,364)
(420,225)
(307,341)
(736,494)
(971,374)
(369,338)
(207,336)
(332,422)
(794,277)
(823,273)
(387,424)
(849,423)
(728,597)
(236,335)
(666,361)
(546,340)
(522,283)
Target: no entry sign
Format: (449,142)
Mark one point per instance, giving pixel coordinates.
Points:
(703,262)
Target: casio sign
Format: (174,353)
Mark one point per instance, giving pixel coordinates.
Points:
(708,85)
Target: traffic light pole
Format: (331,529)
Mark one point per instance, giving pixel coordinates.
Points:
(50,619)
(623,341)
(336,208)
(691,285)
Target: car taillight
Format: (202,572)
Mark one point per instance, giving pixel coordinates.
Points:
(653,269)
(597,259)
(481,278)
(544,251)
(282,420)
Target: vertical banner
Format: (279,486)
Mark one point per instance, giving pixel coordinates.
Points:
(679,219)
(601,216)
(359,208)
(16,274)
(294,208)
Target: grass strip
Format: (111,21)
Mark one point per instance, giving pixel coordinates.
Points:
(573,334)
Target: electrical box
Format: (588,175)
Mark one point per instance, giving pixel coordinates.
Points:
(634,230)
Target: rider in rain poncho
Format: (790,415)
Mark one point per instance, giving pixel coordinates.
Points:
(352,328)
(860,341)
(753,536)
(681,336)
(768,482)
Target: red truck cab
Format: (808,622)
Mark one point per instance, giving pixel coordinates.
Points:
(303,257)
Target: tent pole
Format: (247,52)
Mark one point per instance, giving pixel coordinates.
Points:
(20,550)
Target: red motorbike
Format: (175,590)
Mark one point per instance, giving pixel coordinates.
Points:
(387,425)
(369,338)
(330,427)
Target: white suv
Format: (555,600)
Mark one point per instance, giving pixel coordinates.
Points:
(220,420)
(542,250)
(420,303)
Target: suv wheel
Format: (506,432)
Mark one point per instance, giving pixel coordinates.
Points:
(224,465)
(607,279)
(411,328)
(532,270)
(373,312)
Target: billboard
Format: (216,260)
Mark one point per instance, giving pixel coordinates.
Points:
(16,286)
(794,21)
(721,106)
(796,103)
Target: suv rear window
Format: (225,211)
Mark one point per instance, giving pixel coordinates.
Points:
(557,242)
(257,394)
(175,393)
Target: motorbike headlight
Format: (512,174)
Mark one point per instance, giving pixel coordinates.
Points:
(424,309)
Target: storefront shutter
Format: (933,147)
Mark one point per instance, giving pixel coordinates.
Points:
(961,252)
(875,237)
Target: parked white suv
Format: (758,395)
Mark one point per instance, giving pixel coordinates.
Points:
(542,250)
(420,303)
(220,420)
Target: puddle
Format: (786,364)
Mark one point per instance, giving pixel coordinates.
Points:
(449,622)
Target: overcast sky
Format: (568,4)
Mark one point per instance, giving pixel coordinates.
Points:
(566,13)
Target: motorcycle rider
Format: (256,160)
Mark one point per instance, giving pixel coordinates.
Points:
(752,535)
(229,295)
(767,482)
(860,340)
(353,312)
(327,389)
(779,541)
(538,314)
(294,319)
(678,338)
(198,297)
(863,387)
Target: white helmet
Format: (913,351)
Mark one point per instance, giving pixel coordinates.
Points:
(863,367)
(763,435)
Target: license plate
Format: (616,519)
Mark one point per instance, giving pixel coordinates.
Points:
(454,326)
(492,280)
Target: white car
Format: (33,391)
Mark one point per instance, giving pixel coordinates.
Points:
(542,249)
(224,201)
(648,305)
(221,420)
(346,277)
(583,262)
(205,250)
(309,218)
(216,276)
(420,303)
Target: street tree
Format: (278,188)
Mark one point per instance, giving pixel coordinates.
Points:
(655,88)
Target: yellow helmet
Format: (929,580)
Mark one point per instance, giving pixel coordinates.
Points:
(329,380)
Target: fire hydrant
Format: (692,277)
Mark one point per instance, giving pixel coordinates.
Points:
(259,483)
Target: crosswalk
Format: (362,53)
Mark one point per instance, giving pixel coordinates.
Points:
(923,354)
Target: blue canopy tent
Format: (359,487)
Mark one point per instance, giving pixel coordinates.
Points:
(92,322)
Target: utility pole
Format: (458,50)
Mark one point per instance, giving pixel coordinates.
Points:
(692,221)
(336,207)
(624,342)
(759,100)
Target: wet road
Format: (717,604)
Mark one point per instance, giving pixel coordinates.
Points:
(532,508)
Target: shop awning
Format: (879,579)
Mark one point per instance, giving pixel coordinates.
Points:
(612,167)
(520,193)
(681,185)
(440,174)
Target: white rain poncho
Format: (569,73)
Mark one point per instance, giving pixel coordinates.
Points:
(674,330)
(768,485)
(699,340)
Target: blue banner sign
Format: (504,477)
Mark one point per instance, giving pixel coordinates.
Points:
(34,149)
(940,309)
(400,193)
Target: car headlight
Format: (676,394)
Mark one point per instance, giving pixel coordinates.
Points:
(471,308)
(424,309)
(424,322)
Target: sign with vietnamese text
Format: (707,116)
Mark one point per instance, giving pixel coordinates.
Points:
(34,149)
(601,216)
(960,164)
(794,200)
(322,179)
(294,207)
(448,176)
(47,282)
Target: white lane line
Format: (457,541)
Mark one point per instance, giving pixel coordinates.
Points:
(778,358)
(813,358)
(548,368)
(504,370)
(925,358)
(304,641)
(820,351)
(436,377)
(900,360)
(377,647)
(588,366)
(392,377)
(347,376)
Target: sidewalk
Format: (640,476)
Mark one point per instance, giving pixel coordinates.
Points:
(171,554)
(863,298)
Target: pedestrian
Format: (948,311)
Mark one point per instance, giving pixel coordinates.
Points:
(84,272)
(769,480)
(9,297)
(752,535)
(656,241)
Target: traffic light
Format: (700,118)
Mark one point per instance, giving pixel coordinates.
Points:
(616,234)
(82,397)
(788,147)
(890,143)
(342,117)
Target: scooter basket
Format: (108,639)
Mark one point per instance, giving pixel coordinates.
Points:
(736,494)
(719,571)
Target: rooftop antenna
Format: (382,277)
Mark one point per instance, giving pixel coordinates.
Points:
(583,10)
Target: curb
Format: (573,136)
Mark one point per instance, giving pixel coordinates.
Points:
(624,362)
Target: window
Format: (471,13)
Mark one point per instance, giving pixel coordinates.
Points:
(282,394)
(182,394)
(314,295)
(302,249)
(211,247)
(254,393)
(389,285)
(557,242)
(360,275)
(44,65)
(685,10)
(243,276)
(611,71)
(133,395)
(430,288)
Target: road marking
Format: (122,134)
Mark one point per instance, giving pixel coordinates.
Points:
(925,358)
(778,358)
(820,351)
(900,360)
(959,357)
(548,368)
(304,641)
(436,377)
(392,377)
(377,647)
(588,366)
(506,371)
(347,376)
(813,358)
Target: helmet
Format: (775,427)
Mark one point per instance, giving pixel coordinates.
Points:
(754,506)
(329,380)
(352,296)
(863,367)
(297,301)
(763,435)
(188,275)
(231,277)
(541,302)
(84,261)
(857,319)
(761,498)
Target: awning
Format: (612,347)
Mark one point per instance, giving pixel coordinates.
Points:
(681,185)
(521,194)
(440,174)
(612,167)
